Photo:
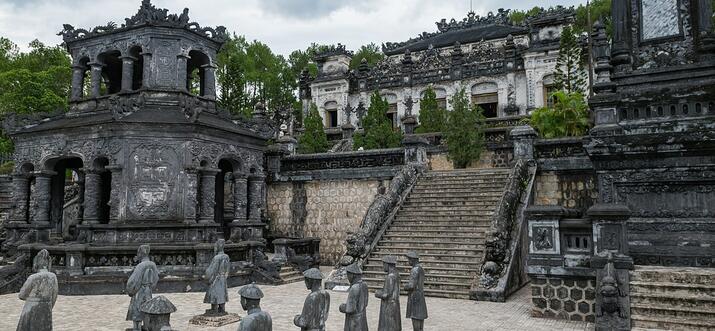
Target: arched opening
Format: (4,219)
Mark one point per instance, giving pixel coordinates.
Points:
(195,72)
(137,68)
(85,88)
(485,95)
(225,208)
(27,171)
(105,188)
(66,195)
(331,114)
(111,81)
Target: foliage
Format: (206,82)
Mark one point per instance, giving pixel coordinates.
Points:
(378,132)
(600,10)
(519,16)
(314,139)
(570,75)
(249,72)
(302,59)
(465,137)
(371,52)
(6,168)
(31,82)
(568,118)
(432,117)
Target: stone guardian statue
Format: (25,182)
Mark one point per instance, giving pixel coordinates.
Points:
(140,286)
(390,295)
(256,319)
(354,308)
(40,294)
(416,306)
(216,274)
(317,304)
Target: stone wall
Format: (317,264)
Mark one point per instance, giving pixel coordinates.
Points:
(570,190)
(563,298)
(326,209)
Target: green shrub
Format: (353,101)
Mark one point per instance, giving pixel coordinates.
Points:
(314,139)
(378,131)
(432,117)
(6,168)
(465,136)
(568,118)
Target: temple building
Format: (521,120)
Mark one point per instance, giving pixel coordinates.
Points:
(507,68)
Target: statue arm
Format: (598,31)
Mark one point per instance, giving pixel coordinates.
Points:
(411,284)
(55,289)
(26,289)
(350,306)
(326,310)
(300,320)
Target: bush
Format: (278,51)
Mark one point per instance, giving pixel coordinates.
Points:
(6,168)
(313,140)
(378,132)
(465,136)
(432,117)
(568,118)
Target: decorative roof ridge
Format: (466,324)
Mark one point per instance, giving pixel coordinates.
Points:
(333,50)
(148,15)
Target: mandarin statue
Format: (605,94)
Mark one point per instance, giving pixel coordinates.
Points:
(416,306)
(256,319)
(40,294)
(317,304)
(354,308)
(216,274)
(390,317)
(140,286)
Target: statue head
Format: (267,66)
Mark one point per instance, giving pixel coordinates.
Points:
(250,296)
(218,247)
(313,279)
(413,258)
(389,263)
(143,252)
(41,261)
(354,273)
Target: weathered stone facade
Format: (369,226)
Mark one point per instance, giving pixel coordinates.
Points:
(569,299)
(328,210)
(569,190)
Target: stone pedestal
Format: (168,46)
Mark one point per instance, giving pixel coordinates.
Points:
(416,150)
(215,321)
(523,137)
(250,230)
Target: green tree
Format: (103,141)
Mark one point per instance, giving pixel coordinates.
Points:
(302,59)
(520,16)
(599,10)
(371,52)
(568,118)
(378,132)
(465,137)
(314,139)
(432,117)
(570,75)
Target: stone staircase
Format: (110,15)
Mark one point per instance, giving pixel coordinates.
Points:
(289,275)
(444,219)
(672,298)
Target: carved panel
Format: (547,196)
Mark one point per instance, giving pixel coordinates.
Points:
(659,19)
(153,181)
(544,237)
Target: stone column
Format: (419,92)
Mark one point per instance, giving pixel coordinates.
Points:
(77,82)
(611,263)
(92,195)
(705,25)
(127,72)
(208,195)
(181,61)
(96,78)
(21,196)
(240,198)
(115,194)
(209,81)
(190,202)
(523,137)
(620,52)
(41,207)
(255,196)
(146,70)
(416,150)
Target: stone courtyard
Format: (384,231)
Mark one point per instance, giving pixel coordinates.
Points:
(105,313)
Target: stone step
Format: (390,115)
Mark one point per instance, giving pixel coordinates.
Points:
(436,267)
(457,189)
(491,185)
(673,289)
(456,237)
(666,323)
(678,275)
(679,302)
(441,257)
(433,278)
(433,233)
(428,213)
(403,249)
(672,313)
(443,219)
(417,205)
(434,287)
(446,228)
(446,200)
(474,173)
(289,275)
(456,195)
(424,244)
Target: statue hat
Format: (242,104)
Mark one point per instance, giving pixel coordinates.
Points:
(390,259)
(313,273)
(354,269)
(251,291)
(412,255)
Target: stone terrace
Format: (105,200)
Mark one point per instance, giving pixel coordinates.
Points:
(105,313)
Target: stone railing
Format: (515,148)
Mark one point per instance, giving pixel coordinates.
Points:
(378,217)
(562,154)
(502,272)
(12,276)
(345,160)
(301,253)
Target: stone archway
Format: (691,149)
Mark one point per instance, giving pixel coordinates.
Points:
(64,181)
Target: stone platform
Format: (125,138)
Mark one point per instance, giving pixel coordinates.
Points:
(215,320)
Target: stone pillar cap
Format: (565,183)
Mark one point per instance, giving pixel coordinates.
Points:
(609,211)
(525,131)
(550,210)
(158,306)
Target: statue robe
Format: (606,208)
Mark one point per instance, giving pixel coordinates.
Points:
(40,294)
(315,312)
(416,306)
(355,315)
(217,272)
(390,316)
(140,286)
(256,320)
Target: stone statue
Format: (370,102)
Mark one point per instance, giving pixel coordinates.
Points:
(216,274)
(140,286)
(256,320)
(40,294)
(416,306)
(317,304)
(390,296)
(354,308)
(610,293)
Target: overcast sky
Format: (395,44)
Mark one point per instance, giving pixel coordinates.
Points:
(285,25)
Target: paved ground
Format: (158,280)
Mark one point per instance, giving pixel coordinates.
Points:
(283,302)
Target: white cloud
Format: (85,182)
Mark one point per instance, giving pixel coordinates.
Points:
(285,25)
